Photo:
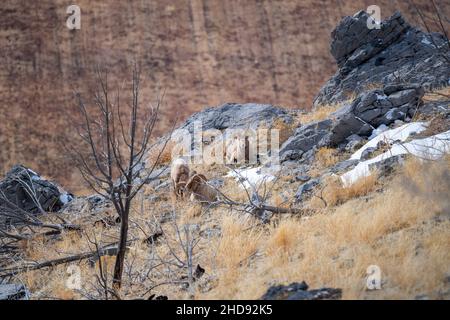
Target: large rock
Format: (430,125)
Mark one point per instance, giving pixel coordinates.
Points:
(397,53)
(235,115)
(299,291)
(305,138)
(249,116)
(25,189)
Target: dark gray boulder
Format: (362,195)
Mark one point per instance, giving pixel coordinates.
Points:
(345,124)
(305,138)
(397,53)
(402,97)
(25,189)
(299,291)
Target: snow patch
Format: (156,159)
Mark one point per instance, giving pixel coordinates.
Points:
(253,177)
(431,148)
(375,132)
(398,134)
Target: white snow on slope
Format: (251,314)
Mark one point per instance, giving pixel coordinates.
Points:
(382,128)
(430,148)
(253,177)
(398,134)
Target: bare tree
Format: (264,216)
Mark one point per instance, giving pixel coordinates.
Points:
(113,156)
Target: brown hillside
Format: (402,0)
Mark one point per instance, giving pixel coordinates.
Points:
(201,52)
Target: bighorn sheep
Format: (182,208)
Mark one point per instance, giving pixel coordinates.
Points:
(179,174)
(237,150)
(200,190)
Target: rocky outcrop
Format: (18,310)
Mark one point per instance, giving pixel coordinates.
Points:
(25,189)
(306,138)
(397,53)
(234,115)
(367,112)
(299,291)
(353,42)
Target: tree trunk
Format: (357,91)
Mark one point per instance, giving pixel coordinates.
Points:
(118,267)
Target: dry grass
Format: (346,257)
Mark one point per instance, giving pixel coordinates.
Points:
(283,239)
(436,125)
(320,113)
(238,246)
(394,229)
(162,153)
(404,230)
(334,193)
(285,130)
(326,157)
(373,86)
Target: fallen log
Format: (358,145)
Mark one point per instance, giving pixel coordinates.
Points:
(107,250)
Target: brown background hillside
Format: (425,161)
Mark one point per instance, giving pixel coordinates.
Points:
(202,53)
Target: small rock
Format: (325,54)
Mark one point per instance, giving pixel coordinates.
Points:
(354,142)
(305,189)
(305,138)
(155,297)
(299,291)
(199,272)
(401,97)
(366,154)
(163,185)
(302,178)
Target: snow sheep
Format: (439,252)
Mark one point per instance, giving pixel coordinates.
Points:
(200,190)
(179,173)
